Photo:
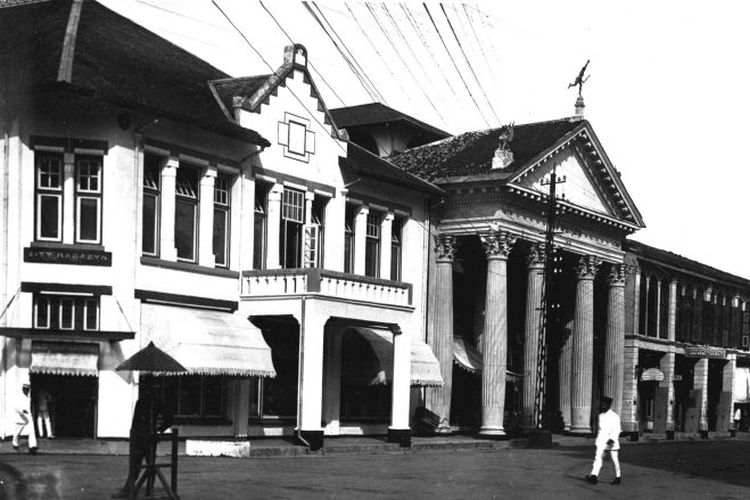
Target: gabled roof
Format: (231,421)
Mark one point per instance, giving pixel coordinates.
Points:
(376,113)
(249,93)
(363,163)
(81,46)
(469,157)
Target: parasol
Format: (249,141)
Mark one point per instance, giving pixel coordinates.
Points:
(152,360)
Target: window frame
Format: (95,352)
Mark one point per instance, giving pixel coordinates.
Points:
(397,247)
(151,190)
(222,205)
(373,232)
(260,217)
(41,192)
(188,195)
(88,194)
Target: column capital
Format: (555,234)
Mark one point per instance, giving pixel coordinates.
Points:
(169,165)
(497,244)
(210,171)
(445,247)
(587,266)
(537,255)
(617,274)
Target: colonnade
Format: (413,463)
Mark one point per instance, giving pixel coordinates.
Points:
(576,365)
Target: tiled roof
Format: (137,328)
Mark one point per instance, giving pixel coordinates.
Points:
(471,153)
(229,88)
(678,261)
(363,163)
(111,58)
(377,113)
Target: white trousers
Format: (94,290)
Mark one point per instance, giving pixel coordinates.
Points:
(44,424)
(600,451)
(24,422)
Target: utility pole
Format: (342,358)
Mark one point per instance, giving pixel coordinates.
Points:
(548,319)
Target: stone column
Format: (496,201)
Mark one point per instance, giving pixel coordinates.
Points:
(247,220)
(273,247)
(334,341)
(700,382)
(534,296)
(69,199)
(614,351)
(386,236)
(583,346)
(310,403)
(497,245)
(725,407)
(399,431)
(657,322)
(439,398)
(629,415)
(666,364)
(636,301)
(167,250)
(206,218)
(360,240)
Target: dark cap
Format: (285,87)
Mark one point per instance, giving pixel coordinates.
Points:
(25,384)
(605,400)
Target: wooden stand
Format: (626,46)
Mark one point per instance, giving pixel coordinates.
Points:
(152,470)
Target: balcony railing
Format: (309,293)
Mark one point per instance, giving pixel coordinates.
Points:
(266,283)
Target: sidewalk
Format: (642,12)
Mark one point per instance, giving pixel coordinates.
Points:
(280,447)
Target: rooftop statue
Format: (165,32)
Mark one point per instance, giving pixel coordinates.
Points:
(580,80)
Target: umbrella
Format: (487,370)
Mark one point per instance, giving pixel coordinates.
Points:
(152,360)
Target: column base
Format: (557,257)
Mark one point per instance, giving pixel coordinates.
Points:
(311,439)
(400,436)
(492,433)
(579,431)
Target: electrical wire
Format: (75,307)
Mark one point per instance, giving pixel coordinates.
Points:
(468,63)
(490,67)
(445,46)
(384,6)
(242,35)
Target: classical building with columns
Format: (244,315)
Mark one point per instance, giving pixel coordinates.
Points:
(485,313)
(686,344)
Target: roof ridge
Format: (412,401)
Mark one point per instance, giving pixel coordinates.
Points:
(239,78)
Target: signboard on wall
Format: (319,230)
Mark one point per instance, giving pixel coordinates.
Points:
(652,375)
(703,351)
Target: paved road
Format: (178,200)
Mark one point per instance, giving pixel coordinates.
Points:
(682,470)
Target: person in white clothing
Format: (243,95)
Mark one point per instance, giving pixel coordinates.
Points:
(43,401)
(607,440)
(23,411)
(737,417)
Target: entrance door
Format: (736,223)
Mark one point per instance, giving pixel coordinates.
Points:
(73,403)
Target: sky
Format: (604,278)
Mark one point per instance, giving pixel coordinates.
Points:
(668,94)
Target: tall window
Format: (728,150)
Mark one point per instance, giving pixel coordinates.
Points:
(60,312)
(151,192)
(372,244)
(259,226)
(351,213)
(292,221)
(88,199)
(186,213)
(49,195)
(314,234)
(222,196)
(396,236)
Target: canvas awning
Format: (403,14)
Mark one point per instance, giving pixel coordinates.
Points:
(208,342)
(469,358)
(64,358)
(741,389)
(370,359)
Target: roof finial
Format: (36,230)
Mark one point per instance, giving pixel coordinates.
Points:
(503,155)
(580,80)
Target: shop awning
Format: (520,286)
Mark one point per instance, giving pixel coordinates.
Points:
(741,389)
(208,342)
(469,358)
(64,358)
(368,359)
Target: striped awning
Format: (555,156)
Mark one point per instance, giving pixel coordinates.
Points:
(469,358)
(207,342)
(64,358)
(370,359)
(741,389)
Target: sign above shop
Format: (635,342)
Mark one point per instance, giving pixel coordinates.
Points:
(652,375)
(702,351)
(63,255)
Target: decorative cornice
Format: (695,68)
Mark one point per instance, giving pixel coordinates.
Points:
(536,256)
(587,267)
(445,247)
(497,244)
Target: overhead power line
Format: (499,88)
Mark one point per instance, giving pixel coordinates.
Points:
(480,43)
(468,63)
(445,46)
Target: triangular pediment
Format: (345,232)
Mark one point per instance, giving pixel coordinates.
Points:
(575,184)
(588,181)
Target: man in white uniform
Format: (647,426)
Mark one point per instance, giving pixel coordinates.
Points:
(607,440)
(23,411)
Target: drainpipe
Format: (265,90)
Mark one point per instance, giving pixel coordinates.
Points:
(4,265)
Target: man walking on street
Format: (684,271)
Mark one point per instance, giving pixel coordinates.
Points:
(23,414)
(607,440)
